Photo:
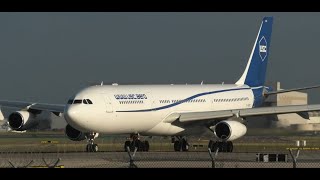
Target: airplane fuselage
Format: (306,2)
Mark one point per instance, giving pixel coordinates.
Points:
(146,109)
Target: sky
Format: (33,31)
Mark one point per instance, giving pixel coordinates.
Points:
(47,57)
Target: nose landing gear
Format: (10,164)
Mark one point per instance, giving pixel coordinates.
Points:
(91,147)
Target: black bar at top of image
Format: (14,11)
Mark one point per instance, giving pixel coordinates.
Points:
(161,6)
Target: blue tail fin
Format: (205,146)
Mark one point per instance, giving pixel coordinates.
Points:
(255,72)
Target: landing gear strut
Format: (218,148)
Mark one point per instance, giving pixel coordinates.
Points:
(181,144)
(224,146)
(136,143)
(91,147)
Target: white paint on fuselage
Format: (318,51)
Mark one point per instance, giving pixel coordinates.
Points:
(109,115)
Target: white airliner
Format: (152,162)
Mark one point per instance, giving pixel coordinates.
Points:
(167,110)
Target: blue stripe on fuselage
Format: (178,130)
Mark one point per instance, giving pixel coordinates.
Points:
(185,100)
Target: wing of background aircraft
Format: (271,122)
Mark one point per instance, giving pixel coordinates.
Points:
(57,109)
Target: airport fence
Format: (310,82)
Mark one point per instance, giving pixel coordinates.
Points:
(158,160)
(248,153)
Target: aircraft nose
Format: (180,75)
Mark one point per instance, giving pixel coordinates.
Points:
(71,114)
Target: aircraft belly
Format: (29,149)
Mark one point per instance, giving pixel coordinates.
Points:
(130,122)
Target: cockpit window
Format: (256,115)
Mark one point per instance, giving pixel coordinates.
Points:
(70,101)
(89,101)
(77,101)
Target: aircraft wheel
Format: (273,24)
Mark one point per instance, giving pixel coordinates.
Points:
(210,145)
(146,146)
(135,144)
(88,147)
(229,146)
(94,148)
(185,145)
(127,143)
(176,146)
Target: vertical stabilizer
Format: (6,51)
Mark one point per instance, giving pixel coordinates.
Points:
(255,72)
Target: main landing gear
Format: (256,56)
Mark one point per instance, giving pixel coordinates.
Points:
(91,147)
(136,142)
(180,143)
(224,146)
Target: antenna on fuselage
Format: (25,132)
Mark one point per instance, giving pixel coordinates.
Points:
(101,83)
(201,82)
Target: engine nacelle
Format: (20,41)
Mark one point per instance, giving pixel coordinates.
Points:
(22,120)
(229,130)
(74,134)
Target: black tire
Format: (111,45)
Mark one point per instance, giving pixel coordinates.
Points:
(223,146)
(94,148)
(141,146)
(135,144)
(176,146)
(127,143)
(185,145)
(210,145)
(173,139)
(88,148)
(229,146)
(146,146)
(220,146)
(215,146)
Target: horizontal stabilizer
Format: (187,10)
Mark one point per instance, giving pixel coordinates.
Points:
(289,90)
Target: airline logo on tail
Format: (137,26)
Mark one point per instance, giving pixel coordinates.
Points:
(263,48)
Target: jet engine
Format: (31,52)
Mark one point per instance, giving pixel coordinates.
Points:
(22,120)
(229,130)
(74,134)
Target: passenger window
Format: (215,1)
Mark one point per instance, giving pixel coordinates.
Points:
(89,101)
(77,101)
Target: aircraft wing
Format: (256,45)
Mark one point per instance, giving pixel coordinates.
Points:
(54,108)
(302,110)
